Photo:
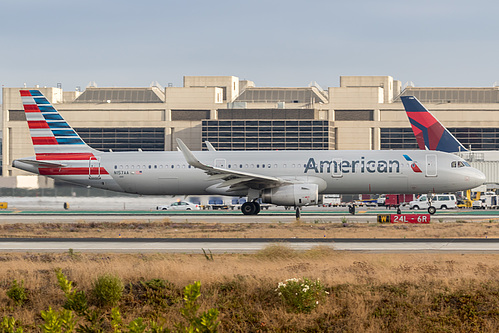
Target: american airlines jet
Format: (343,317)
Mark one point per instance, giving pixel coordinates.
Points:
(288,178)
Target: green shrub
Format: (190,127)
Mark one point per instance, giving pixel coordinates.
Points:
(301,295)
(206,322)
(137,326)
(17,293)
(159,293)
(75,300)
(116,320)
(60,321)
(108,290)
(8,325)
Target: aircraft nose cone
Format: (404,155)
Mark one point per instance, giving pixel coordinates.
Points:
(477,178)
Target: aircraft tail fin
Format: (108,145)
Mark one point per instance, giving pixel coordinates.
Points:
(430,133)
(50,133)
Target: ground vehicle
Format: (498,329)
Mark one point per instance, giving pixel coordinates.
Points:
(487,200)
(439,201)
(381,200)
(396,200)
(179,205)
(330,200)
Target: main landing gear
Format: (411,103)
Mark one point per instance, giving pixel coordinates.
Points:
(250,208)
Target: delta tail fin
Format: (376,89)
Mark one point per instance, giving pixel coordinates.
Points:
(430,133)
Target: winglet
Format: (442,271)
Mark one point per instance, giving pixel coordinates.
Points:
(209,146)
(189,156)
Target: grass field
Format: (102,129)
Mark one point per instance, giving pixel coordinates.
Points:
(367,292)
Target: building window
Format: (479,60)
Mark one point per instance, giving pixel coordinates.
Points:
(190,115)
(124,139)
(269,135)
(354,115)
(398,138)
(17,115)
(476,138)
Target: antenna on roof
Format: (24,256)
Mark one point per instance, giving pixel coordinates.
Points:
(92,84)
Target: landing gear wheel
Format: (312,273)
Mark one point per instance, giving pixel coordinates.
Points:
(351,209)
(432,210)
(398,210)
(248,208)
(257,207)
(298,212)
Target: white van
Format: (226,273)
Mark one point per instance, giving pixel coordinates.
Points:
(440,201)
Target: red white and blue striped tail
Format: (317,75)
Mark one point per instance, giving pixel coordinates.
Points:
(59,149)
(50,133)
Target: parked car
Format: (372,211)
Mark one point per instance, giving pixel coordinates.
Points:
(179,205)
(439,201)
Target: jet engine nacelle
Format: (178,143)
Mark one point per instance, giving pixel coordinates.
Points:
(292,195)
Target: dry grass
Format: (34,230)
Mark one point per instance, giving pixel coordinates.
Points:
(368,292)
(318,229)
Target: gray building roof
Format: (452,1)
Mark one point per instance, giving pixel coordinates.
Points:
(121,95)
(288,95)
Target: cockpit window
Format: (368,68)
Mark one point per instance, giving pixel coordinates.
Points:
(459,164)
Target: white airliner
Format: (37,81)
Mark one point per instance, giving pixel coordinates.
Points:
(289,178)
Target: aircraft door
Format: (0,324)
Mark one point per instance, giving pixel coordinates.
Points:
(221,163)
(431,165)
(336,168)
(94,168)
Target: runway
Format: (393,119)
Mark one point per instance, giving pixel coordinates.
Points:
(245,245)
(316,216)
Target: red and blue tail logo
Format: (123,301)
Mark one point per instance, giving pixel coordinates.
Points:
(46,126)
(58,148)
(414,165)
(430,133)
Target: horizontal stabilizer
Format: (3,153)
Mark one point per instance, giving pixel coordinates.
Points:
(41,164)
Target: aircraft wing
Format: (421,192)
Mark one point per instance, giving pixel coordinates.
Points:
(236,180)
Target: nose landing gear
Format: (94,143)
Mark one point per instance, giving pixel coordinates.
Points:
(431,208)
(298,212)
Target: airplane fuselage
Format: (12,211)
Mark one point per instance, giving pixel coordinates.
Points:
(348,172)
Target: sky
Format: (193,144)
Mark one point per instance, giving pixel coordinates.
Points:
(431,43)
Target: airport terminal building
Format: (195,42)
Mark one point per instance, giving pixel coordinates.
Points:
(364,112)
